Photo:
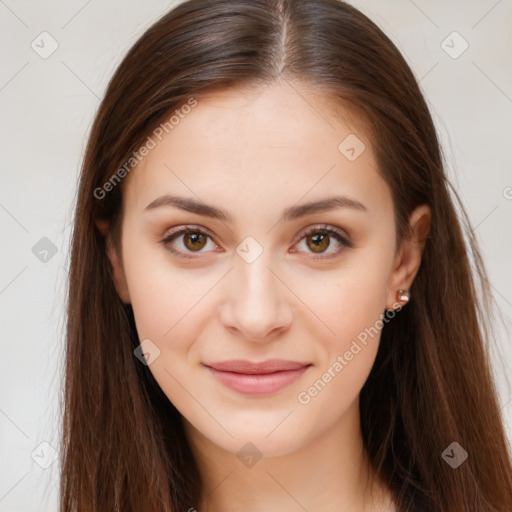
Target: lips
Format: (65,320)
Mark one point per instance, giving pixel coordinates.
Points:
(262,378)
(248,367)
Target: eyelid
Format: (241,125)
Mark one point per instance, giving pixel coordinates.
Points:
(321,227)
(332,231)
(190,227)
(178,231)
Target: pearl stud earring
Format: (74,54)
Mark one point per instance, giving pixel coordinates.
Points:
(403,295)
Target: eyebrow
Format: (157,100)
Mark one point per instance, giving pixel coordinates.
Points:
(289,214)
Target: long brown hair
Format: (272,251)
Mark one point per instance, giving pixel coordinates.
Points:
(123,445)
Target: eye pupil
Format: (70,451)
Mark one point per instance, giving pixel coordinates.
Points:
(195,239)
(320,242)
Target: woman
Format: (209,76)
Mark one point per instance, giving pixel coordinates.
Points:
(271,305)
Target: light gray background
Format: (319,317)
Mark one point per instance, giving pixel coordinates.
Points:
(47,107)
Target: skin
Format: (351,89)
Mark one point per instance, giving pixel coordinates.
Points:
(255,153)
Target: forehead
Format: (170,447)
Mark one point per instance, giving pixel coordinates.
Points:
(283,141)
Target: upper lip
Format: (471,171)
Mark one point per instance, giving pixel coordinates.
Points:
(248,367)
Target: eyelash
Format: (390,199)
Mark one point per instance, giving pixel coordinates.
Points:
(319,229)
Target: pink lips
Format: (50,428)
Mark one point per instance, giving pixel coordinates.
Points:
(257,378)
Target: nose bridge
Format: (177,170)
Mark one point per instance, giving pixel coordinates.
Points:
(257,305)
(256,282)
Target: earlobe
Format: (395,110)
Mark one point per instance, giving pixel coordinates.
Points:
(118,275)
(408,259)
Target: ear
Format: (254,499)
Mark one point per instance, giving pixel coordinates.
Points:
(116,264)
(408,259)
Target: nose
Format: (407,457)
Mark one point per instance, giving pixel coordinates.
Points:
(257,306)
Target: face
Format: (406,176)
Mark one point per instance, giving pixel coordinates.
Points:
(258,276)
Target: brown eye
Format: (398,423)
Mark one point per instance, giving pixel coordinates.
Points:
(318,239)
(318,242)
(194,241)
(185,241)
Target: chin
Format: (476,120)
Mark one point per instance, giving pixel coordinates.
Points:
(271,440)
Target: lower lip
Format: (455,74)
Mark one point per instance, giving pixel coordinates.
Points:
(258,384)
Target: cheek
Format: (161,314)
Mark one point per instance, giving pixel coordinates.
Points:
(345,301)
(163,296)
(346,360)
(169,306)
(350,304)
